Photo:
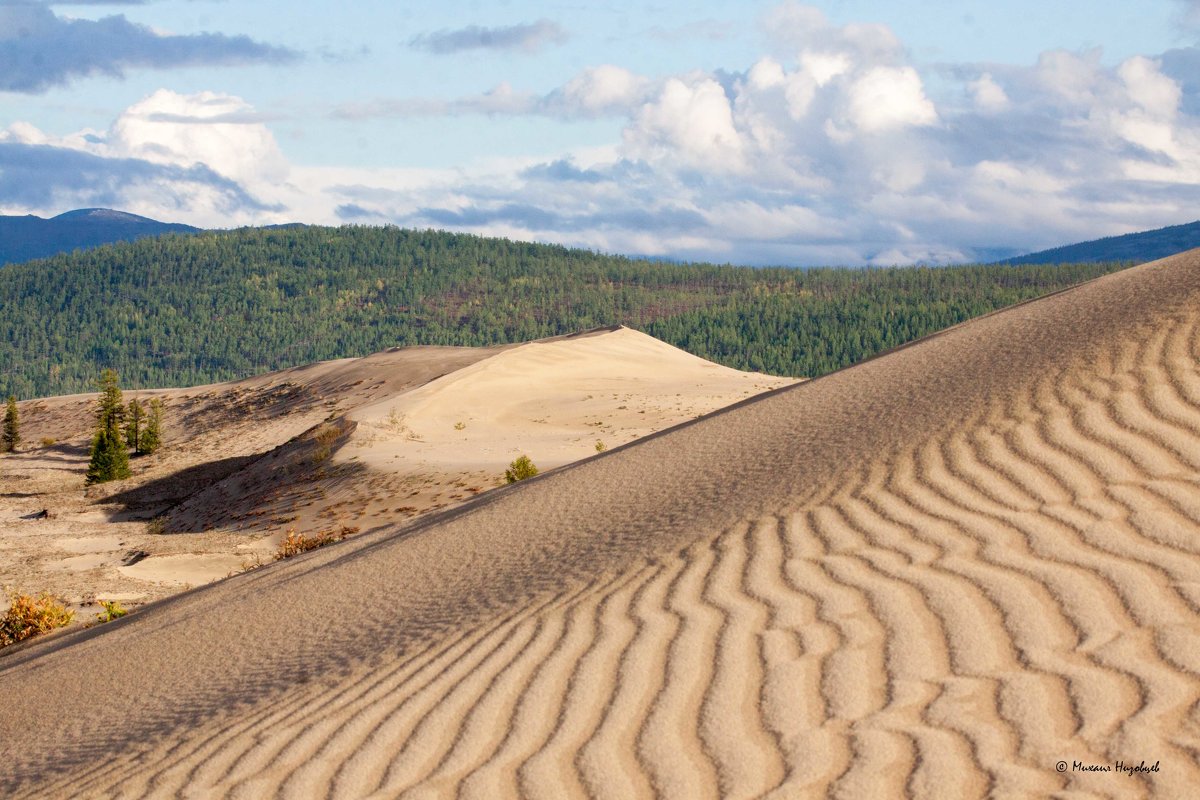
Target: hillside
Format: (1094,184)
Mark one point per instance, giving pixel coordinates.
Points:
(938,574)
(1132,247)
(30,237)
(215,306)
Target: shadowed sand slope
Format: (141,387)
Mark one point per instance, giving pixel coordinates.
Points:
(937,574)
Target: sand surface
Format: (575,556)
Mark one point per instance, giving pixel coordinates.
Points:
(355,444)
(938,574)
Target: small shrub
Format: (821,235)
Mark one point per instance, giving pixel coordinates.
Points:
(520,469)
(600,446)
(325,436)
(458,426)
(112,610)
(49,442)
(157,526)
(296,543)
(29,616)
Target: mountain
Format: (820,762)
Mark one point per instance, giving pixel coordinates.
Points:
(29,237)
(1135,247)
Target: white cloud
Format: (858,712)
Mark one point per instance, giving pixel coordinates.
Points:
(606,89)
(1148,88)
(171,128)
(988,95)
(889,97)
(690,123)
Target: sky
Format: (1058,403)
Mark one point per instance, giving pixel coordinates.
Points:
(843,132)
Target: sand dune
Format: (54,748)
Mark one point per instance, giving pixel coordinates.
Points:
(937,574)
(414,430)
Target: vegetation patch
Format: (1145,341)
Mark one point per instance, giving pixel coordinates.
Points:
(297,543)
(29,616)
(112,610)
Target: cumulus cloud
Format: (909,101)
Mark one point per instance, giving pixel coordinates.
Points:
(205,153)
(529,38)
(217,130)
(39,49)
(689,122)
(885,98)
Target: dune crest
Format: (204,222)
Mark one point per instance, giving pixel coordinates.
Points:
(939,573)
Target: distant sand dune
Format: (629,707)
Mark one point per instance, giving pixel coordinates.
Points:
(936,574)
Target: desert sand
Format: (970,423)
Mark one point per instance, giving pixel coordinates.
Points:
(357,444)
(939,573)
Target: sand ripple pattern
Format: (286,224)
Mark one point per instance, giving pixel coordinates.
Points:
(933,575)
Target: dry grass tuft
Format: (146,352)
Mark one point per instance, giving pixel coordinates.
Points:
(29,616)
(296,543)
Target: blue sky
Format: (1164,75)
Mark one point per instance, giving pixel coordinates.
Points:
(776,132)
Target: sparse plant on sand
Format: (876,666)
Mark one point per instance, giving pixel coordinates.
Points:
(395,421)
(29,616)
(325,436)
(49,441)
(458,426)
(157,526)
(600,446)
(520,469)
(112,610)
(296,543)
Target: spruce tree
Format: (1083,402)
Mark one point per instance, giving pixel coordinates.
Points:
(133,426)
(12,427)
(152,436)
(109,458)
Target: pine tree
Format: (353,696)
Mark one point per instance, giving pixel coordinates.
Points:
(133,427)
(12,427)
(109,459)
(152,436)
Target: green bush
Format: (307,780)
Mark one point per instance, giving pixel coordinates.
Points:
(520,469)
(112,610)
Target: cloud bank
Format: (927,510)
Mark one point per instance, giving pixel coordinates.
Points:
(40,50)
(833,147)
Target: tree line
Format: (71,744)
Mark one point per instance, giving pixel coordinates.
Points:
(186,310)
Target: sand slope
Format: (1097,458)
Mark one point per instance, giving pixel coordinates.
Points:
(935,574)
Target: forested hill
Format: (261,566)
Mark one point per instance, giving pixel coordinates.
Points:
(1135,247)
(28,237)
(183,310)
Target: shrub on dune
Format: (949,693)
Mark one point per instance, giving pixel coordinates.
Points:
(520,469)
(28,616)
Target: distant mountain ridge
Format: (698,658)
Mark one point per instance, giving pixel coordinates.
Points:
(29,237)
(1138,247)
